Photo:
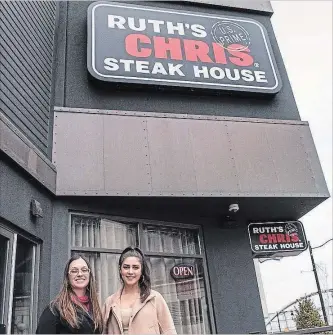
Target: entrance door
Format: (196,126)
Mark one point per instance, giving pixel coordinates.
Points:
(7,261)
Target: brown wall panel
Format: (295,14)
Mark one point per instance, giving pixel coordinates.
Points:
(109,154)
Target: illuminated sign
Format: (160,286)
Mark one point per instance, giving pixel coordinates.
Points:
(277,238)
(157,46)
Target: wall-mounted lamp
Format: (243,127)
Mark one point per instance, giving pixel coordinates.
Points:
(36,208)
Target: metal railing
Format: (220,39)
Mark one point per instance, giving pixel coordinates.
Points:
(283,320)
(316,330)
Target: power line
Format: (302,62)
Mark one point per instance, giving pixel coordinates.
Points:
(319,246)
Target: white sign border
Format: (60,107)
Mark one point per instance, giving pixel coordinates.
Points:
(93,65)
(277,251)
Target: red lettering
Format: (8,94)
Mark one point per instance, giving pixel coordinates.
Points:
(132,45)
(172,45)
(280,238)
(241,58)
(272,238)
(219,54)
(294,238)
(140,45)
(263,238)
(197,51)
(288,238)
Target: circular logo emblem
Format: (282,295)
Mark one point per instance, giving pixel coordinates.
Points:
(290,228)
(230,35)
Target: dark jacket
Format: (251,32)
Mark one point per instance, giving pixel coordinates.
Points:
(52,323)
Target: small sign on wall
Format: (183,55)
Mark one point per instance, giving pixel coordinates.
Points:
(165,47)
(187,285)
(182,271)
(281,239)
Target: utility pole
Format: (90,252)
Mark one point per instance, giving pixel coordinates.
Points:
(320,294)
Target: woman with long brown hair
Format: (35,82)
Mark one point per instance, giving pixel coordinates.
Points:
(76,308)
(136,308)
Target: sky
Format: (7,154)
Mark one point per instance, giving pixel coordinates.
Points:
(304,33)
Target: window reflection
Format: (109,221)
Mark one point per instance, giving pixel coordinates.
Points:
(186,296)
(3,259)
(171,240)
(22,298)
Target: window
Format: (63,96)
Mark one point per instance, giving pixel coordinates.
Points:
(18,282)
(101,240)
(23,287)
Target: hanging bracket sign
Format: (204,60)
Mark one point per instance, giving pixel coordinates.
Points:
(151,45)
(277,239)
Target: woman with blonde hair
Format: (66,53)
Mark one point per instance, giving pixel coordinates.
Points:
(76,308)
(136,308)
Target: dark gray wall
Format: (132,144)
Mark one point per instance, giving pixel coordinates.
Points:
(17,189)
(75,90)
(258,5)
(235,293)
(234,287)
(27,40)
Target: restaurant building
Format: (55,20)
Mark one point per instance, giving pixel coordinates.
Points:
(167,125)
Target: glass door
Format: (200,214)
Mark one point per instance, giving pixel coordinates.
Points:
(7,261)
(23,305)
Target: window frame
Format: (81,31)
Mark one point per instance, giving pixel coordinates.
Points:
(34,278)
(140,223)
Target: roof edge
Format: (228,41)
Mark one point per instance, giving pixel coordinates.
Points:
(263,6)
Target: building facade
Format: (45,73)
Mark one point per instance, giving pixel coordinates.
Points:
(140,123)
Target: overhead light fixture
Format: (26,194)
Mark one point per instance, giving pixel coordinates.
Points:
(233,208)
